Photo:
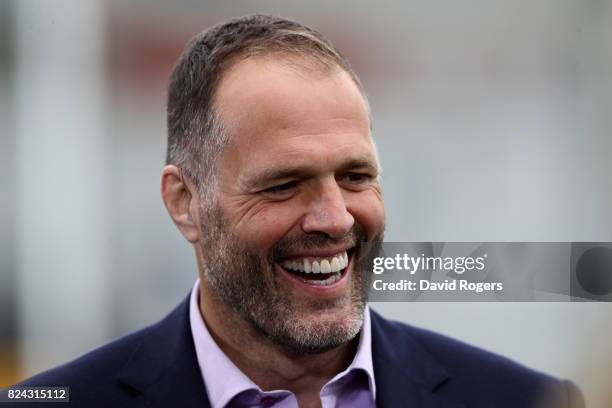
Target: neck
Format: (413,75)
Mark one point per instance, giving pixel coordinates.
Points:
(267,364)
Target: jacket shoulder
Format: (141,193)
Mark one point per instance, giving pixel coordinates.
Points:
(95,379)
(116,374)
(94,366)
(477,375)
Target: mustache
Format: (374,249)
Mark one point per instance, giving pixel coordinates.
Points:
(315,240)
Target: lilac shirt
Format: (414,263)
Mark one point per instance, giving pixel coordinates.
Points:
(227,386)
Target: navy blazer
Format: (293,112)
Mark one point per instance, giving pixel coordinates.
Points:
(413,368)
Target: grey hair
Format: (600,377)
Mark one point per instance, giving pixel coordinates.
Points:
(196,154)
(196,134)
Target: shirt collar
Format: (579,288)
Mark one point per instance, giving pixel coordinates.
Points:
(224,380)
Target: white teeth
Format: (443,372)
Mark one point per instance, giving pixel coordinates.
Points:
(321,265)
(334,277)
(335,265)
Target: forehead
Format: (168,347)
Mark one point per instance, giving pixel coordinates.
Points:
(267,104)
(285,90)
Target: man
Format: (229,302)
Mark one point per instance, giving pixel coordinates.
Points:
(273,177)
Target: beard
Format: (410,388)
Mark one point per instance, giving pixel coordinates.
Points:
(248,282)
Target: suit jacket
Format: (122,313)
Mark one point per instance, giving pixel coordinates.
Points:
(413,368)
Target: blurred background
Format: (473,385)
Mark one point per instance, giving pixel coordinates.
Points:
(492,117)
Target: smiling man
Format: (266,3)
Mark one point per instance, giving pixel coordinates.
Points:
(278,215)
(272,176)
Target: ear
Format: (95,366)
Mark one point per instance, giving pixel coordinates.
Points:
(181,200)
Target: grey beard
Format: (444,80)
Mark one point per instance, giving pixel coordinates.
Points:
(248,285)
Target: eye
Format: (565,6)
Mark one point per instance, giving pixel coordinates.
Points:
(281,189)
(356,178)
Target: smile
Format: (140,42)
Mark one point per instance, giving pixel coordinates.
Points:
(318,271)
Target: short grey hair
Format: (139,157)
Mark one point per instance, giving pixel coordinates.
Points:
(196,134)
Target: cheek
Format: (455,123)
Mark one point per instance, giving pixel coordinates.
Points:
(268,227)
(369,211)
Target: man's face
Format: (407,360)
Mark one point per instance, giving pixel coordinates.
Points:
(298,192)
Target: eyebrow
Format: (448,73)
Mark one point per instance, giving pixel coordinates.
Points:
(272,174)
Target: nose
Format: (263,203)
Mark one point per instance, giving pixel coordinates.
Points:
(328,212)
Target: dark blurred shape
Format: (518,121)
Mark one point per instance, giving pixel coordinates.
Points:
(594,271)
(591,271)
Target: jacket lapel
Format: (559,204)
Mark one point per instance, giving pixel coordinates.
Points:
(164,367)
(406,374)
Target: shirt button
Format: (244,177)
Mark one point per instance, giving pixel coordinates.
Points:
(267,401)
